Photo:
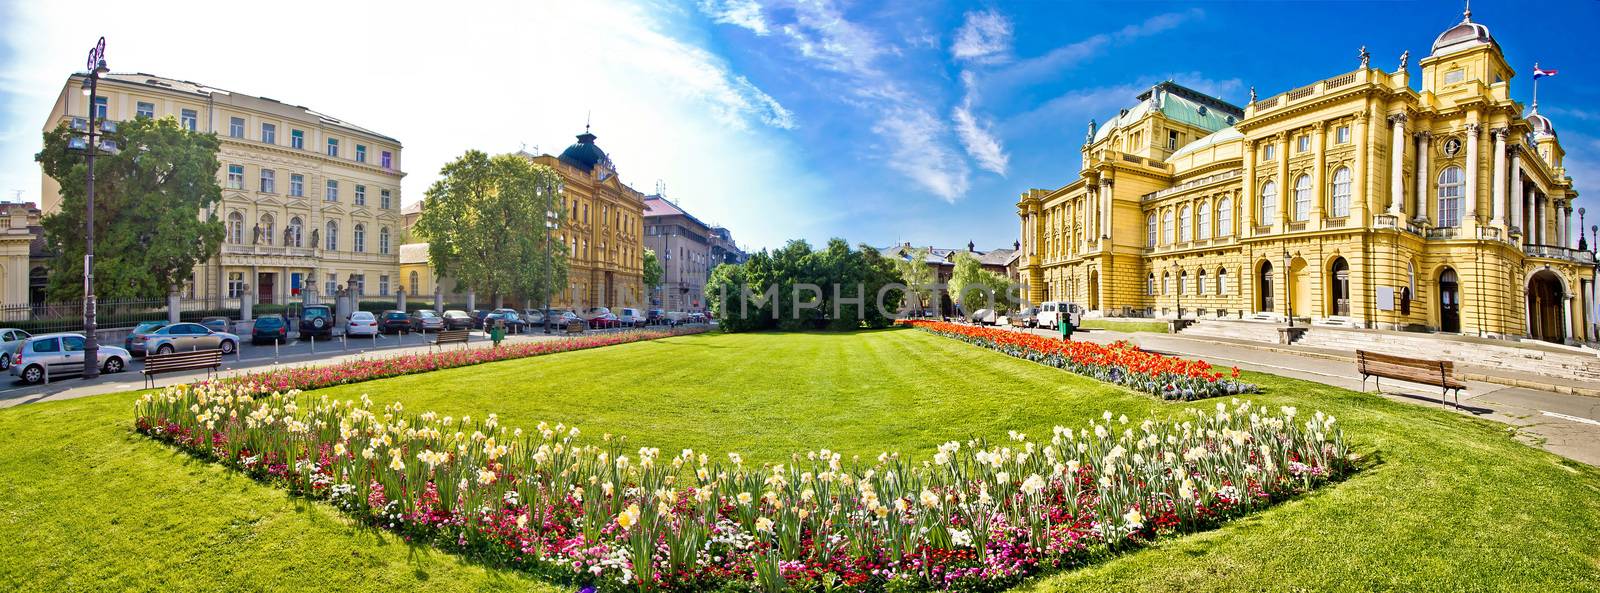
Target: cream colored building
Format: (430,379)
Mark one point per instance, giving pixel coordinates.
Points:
(21,259)
(310,202)
(1362,200)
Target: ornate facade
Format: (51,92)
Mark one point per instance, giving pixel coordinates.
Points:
(1356,200)
(311,203)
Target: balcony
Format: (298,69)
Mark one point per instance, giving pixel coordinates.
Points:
(1209,179)
(1557,252)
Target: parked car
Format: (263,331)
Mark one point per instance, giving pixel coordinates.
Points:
(423,320)
(512,320)
(984,317)
(631,317)
(600,318)
(394,320)
(220,324)
(533,317)
(269,328)
(135,341)
(361,323)
(1027,317)
(675,317)
(10,340)
(456,319)
(189,336)
(561,317)
(478,316)
(316,320)
(698,317)
(655,317)
(1050,313)
(52,355)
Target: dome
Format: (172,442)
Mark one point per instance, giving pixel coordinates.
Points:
(1464,35)
(1541,125)
(585,155)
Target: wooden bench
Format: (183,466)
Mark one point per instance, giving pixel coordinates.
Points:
(156,364)
(450,336)
(1438,373)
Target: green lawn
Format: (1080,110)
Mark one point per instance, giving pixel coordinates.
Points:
(1446,502)
(1159,327)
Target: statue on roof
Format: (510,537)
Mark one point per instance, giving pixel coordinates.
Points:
(1252,93)
(1366,58)
(1404,56)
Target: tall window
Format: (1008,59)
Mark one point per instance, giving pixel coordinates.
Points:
(101,107)
(1341,135)
(361,153)
(332,238)
(268,226)
(414,281)
(1185,230)
(1204,216)
(236,127)
(189,119)
(236,228)
(359,239)
(1269,203)
(1150,223)
(383,199)
(145,109)
(1150,284)
(1166,283)
(1200,281)
(1302,144)
(1451,183)
(1341,192)
(333,147)
(361,195)
(235,284)
(269,133)
(1269,152)
(1222,281)
(297,139)
(1224,217)
(296,228)
(269,181)
(332,195)
(383,240)
(235,176)
(297,185)
(1302,197)
(383,285)
(1166,228)
(388,160)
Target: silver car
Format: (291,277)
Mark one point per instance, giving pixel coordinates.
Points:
(53,355)
(184,337)
(10,340)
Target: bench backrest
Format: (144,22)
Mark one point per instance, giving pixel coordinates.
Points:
(452,335)
(1378,361)
(198,359)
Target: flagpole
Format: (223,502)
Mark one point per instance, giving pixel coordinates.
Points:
(1536,78)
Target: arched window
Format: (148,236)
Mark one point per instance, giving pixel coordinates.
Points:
(1302,197)
(296,229)
(1200,281)
(1224,217)
(1150,284)
(1451,183)
(1183,280)
(1341,192)
(1150,223)
(1269,203)
(1222,281)
(235,228)
(414,284)
(332,235)
(1166,228)
(1203,216)
(1166,283)
(360,238)
(1185,226)
(383,240)
(268,228)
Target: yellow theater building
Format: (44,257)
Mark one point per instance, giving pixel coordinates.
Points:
(1357,200)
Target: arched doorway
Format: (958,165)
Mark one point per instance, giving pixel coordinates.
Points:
(1339,287)
(1299,288)
(1449,301)
(1546,297)
(1094,290)
(1264,300)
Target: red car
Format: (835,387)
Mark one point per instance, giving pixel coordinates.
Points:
(601,318)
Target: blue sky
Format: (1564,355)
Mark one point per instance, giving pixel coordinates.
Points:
(877,122)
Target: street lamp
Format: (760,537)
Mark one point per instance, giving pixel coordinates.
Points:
(90,144)
(551,223)
(1288,302)
(1581,245)
(1177,275)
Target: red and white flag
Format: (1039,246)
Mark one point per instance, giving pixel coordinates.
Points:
(1539,73)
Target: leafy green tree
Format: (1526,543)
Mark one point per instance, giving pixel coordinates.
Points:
(798,288)
(155,210)
(971,286)
(652,271)
(914,272)
(485,224)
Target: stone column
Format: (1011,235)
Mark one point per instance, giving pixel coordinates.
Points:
(1566,317)
(1498,184)
(1285,186)
(400,299)
(174,305)
(1518,199)
(1318,177)
(1471,214)
(1397,182)
(1566,227)
(1106,204)
(1423,175)
(472,300)
(1247,209)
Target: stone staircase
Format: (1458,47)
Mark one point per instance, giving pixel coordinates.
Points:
(1247,330)
(1533,358)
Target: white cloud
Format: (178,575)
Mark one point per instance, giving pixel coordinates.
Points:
(1049,65)
(741,13)
(984,37)
(979,140)
(920,152)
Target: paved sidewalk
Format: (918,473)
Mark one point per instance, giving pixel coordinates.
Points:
(1563,423)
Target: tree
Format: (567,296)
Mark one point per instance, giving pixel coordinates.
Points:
(825,284)
(155,210)
(917,276)
(652,271)
(485,224)
(975,288)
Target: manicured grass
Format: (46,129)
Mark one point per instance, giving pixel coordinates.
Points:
(1445,502)
(1158,327)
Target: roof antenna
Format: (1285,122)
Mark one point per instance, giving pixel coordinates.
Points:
(587,115)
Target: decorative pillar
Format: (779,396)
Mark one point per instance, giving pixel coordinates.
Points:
(1247,222)
(1424,141)
(1359,189)
(1472,175)
(1566,226)
(1518,199)
(1498,184)
(1397,182)
(1566,317)
(1285,187)
(1106,204)
(1083,224)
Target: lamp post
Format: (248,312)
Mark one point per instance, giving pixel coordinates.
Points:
(1288,302)
(90,144)
(1581,244)
(1177,296)
(551,223)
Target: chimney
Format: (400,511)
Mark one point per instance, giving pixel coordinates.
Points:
(971,247)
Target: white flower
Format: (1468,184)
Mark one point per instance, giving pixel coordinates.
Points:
(1033,485)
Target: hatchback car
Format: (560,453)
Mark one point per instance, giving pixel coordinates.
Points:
(269,328)
(455,319)
(316,320)
(10,341)
(51,355)
(533,317)
(361,323)
(189,336)
(135,341)
(425,320)
(512,320)
(394,320)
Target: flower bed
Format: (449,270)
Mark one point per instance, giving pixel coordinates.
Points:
(975,516)
(368,369)
(1121,363)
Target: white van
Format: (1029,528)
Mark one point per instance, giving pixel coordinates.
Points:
(1050,313)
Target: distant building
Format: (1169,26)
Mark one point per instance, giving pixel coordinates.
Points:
(723,249)
(688,249)
(22,257)
(943,262)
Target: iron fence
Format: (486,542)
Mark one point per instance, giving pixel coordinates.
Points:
(67,316)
